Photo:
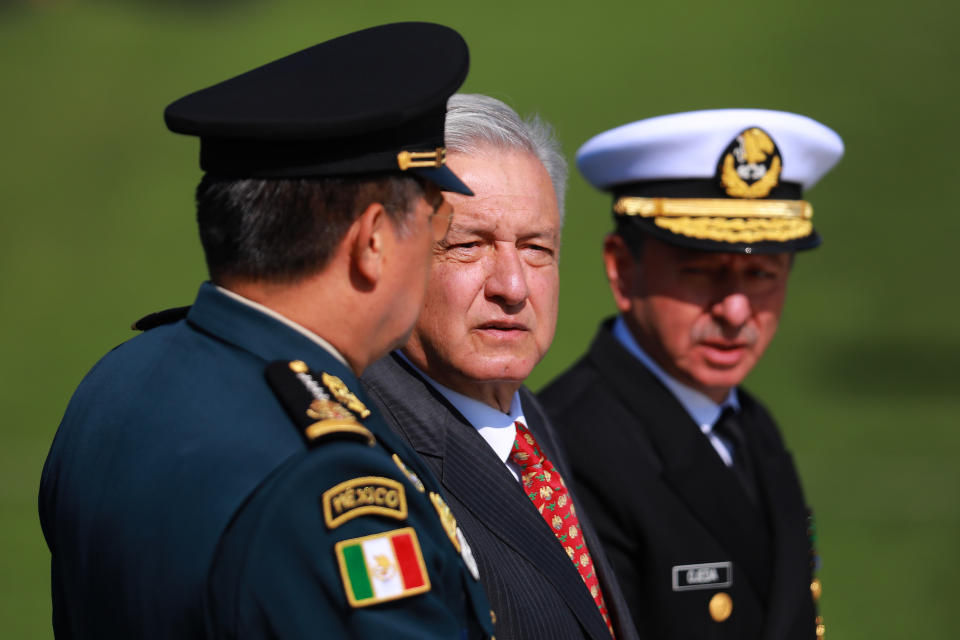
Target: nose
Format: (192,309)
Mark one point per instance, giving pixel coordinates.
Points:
(733,309)
(506,282)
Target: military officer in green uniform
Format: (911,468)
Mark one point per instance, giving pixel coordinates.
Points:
(221,474)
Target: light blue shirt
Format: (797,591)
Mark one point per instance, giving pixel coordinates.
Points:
(701,409)
(494,426)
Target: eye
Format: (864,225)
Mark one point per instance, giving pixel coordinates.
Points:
(764,274)
(538,254)
(694,270)
(464,250)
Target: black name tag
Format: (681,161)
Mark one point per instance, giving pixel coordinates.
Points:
(708,575)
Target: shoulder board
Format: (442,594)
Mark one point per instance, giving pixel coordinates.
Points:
(315,409)
(167,316)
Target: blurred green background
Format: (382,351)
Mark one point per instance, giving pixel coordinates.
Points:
(97,230)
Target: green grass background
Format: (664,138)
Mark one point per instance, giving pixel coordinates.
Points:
(97,229)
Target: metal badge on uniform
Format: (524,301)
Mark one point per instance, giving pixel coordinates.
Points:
(312,408)
(449,522)
(706,575)
(750,166)
(368,495)
(467,554)
(382,567)
(343,394)
(447,518)
(411,476)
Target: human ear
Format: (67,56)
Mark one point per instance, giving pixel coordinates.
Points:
(369,242)
(620,267)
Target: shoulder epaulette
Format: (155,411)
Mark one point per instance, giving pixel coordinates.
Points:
(167,316)
(319,408)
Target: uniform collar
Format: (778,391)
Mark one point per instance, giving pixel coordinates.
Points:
(701,408)
(287,321)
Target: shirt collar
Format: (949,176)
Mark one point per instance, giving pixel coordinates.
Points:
(701,408)
(495,426)
(287,321)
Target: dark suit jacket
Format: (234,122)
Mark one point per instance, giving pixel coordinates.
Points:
(662,498)
(179,500)
(534,589)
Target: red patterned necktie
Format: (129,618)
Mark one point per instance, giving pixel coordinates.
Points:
(546,489)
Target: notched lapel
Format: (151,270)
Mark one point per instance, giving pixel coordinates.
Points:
(475,477)
(791,557)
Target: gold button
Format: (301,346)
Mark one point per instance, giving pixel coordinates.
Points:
(298,366)
(816,589)
(821,628)
(721,606)
(493,617)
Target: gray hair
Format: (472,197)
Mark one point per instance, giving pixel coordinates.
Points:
(475,120)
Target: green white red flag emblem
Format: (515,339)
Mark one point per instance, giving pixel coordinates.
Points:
(382,567)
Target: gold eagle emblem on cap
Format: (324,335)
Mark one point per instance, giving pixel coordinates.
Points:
(750,166)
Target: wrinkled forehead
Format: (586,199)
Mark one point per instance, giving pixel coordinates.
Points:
(507,216)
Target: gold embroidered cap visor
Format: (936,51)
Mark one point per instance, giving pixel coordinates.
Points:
(723,225)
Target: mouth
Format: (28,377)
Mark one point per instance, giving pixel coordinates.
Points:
(502,325)
(502,329)
(724,354)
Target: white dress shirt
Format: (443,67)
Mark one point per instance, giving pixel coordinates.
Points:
(494,426)
(702,409)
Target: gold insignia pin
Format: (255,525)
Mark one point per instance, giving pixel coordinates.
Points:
(751,165)
(342,393)
(816,589)
(298,366)
(447,519)
(411,476)
(721,606)
(322,409)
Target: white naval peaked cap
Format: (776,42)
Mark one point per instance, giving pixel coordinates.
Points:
(729,180)
(688,145)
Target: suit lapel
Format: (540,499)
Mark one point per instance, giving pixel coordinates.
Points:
(691,467)
(473,474)
(616,605)
(784,501)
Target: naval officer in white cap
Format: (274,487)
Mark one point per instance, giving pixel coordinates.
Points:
(684,473)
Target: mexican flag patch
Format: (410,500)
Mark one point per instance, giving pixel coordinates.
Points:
(382,567)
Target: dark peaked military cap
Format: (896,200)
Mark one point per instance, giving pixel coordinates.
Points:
(368,102)
(728,180)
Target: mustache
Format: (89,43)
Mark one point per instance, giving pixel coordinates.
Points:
(714,332)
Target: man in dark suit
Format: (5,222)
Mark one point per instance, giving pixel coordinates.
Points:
(455,392)
(683,472)
(221,475)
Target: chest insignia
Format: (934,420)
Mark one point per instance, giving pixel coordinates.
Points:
(411,476)
(449,522)
(370,495)
(707,575)
(447,518)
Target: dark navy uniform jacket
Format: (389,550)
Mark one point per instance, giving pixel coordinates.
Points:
(180,501)
(675,523)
